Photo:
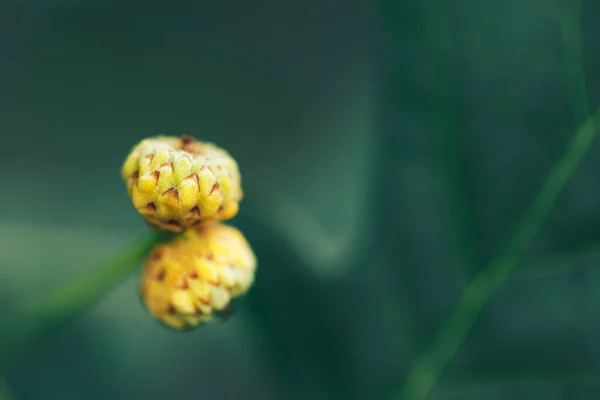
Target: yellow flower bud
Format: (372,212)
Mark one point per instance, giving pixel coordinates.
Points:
(177,183)
(187,281)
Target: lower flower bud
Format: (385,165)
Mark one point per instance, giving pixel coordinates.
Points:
(193,278)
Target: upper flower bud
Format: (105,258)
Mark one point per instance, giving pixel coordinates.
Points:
(176,183)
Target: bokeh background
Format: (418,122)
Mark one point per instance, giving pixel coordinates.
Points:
(388,149)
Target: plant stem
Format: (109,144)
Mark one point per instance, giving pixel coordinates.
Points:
(428,368)
(35,322)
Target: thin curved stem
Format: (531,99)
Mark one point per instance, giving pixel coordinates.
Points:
(428,368)
(37,320)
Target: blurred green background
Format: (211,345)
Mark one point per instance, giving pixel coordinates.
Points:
(387,150)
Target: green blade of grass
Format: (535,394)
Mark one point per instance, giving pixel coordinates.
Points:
(428,368)
(34,322)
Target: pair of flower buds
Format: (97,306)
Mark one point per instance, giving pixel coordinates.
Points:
(182,185)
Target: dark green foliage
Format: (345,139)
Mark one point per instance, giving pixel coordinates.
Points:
(449,115)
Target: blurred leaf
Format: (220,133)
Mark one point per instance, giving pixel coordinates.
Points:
(325,255)
(503,377)
(293,310)
(571,31)
(519,383)
(4,391)
(525,385)
(563,262)
(446,120)
(39,318)
(428,368)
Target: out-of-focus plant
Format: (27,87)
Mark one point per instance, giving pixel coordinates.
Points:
(299,237)
(4,391)
(321,366)
(176,184)
(34,322)
(428,368)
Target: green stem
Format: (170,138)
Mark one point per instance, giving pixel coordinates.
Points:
(428,368)
(35,322)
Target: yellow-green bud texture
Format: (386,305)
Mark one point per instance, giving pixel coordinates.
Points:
(185,281)
(176,183)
